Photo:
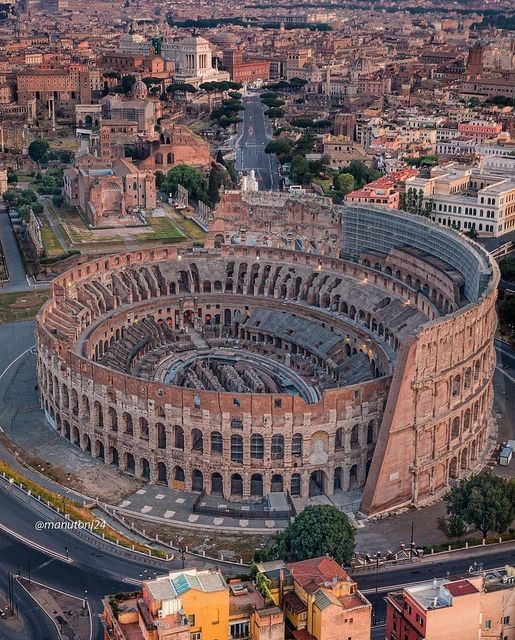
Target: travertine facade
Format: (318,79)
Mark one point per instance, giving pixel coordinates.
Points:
(394,351)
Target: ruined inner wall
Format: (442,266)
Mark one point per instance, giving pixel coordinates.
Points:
(281,220)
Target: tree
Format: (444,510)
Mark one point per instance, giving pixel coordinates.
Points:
(343,182)
(189,177)
(305,144)
(316,531)
(300,172)
(216,180)
(37,207)
(283,145)
(180,87)
(220,157)
(10,196)
(160,178)
(484,501)
(38,150)
(472,233)
(57,200)
(127,83)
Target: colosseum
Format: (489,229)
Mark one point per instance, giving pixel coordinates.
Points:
(243,370)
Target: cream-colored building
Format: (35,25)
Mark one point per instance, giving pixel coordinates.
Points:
(480,198)
(193,61)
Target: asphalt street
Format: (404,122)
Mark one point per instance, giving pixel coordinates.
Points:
(100,571)
(504,386)
(255,133)
(17,278)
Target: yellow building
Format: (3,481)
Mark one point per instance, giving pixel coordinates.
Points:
(193,605)
(319,599)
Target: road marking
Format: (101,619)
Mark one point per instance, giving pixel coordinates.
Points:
(16,360)
(498,369)
(35,545)
(133,581)
(396,587)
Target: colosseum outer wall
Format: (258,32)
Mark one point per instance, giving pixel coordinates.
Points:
(438,415)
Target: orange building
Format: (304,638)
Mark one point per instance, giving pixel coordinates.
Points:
(245,71)
(480,606)
(384,191)
(192,605)
(319,599)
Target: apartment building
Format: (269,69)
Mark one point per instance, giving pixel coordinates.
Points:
(192,605)
(477,607)
(480,198)
(319,599)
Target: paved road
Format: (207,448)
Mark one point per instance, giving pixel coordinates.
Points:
(254,136)
(18,280)
(504,386)
(100,571)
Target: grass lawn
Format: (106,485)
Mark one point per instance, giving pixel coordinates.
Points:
(20,305)
(162,229)
(192,229)
(50,240)
(198,126)
(325,184)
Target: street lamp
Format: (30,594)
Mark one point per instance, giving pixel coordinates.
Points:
(377,556)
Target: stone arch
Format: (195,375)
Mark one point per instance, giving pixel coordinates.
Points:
(296,485)
(277,447)
(178,436)
(114,456)
(179,477)
(296,445)
(371,428)
(217,443)
(86,443)
(277,483)
(161,435)
(161,473)
(99,449)
(339,439)
(130,463)
(128,423)
(453,468)
(455,428)
(112,418)
(197,480)
(197,440)
(353,477)
(217,483)
(317,483)
(145,468)
(236,448)
(257,446)
(256,485)
(338,479)
(98,415)
(143,428)
(236,485)
(354,437)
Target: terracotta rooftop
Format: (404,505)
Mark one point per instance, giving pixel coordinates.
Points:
(317,572)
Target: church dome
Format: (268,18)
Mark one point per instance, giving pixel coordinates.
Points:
(139,89)
(362,65)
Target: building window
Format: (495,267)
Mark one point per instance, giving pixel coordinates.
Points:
(506,620)
(191,620)
(488,624)
(239,630)
(196,636)
(420,620)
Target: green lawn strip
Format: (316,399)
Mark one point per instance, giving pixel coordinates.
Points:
(74,510)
